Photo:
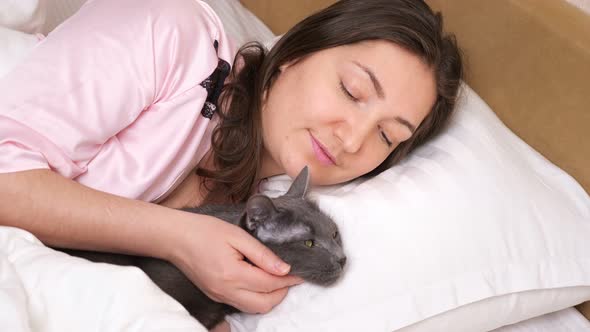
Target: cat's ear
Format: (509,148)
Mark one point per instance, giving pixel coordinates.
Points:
(259,209)
(299,186)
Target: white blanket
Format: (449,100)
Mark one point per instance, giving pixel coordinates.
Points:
(45,290)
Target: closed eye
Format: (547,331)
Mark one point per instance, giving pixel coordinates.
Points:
(347,93)
(384,137)
(355,99)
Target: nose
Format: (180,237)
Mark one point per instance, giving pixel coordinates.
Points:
(353,132)
(342,261)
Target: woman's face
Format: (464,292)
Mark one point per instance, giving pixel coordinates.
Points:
(343,110)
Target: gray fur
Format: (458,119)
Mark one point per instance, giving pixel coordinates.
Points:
(283,224)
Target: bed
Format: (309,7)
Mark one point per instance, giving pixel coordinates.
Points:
(528,61)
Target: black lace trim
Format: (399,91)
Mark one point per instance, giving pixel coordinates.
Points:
(213,85)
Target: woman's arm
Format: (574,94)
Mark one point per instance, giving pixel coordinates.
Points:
(63,213)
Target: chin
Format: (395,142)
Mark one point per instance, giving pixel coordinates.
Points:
(321,175)
(315,173)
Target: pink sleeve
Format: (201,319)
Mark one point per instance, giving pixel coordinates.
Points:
(95,74)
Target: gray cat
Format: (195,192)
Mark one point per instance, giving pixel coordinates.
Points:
(291,226)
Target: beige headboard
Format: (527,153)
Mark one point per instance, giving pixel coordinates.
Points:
(528,59)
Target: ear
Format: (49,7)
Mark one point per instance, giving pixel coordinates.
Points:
(259,209)
(299,186)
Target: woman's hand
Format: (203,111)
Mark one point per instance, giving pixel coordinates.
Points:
(211,253)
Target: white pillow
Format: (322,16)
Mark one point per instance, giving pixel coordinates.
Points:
(475,230)
(239,22)
(23,15)
(14,45)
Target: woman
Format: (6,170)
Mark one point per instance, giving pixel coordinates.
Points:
(109,124)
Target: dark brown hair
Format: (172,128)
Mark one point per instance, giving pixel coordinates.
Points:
(411,24)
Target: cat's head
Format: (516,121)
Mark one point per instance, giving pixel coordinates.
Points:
(295,229)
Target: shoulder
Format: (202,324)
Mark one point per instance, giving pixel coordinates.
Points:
(160,14)
(188,22)
(188,40)
(183,15)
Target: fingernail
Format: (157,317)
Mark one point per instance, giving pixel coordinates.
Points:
(282,267)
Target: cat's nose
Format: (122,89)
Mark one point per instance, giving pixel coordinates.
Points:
(342,261)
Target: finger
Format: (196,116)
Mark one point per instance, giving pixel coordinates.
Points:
(260,255)
(258,280)
(259,303)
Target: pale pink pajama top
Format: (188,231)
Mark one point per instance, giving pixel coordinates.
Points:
(121,97)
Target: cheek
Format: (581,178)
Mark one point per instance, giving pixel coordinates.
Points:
(366,162)
(314,98)
(326,104)
(371,163)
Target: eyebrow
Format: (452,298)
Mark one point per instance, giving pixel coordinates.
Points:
(376,83)
(381,95)
(406,123)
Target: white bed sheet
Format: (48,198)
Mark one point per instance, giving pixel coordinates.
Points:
(566,320)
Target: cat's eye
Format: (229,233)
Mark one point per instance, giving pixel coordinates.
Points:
(309,243)
(335,235)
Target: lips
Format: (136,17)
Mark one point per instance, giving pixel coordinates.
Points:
(321,153)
